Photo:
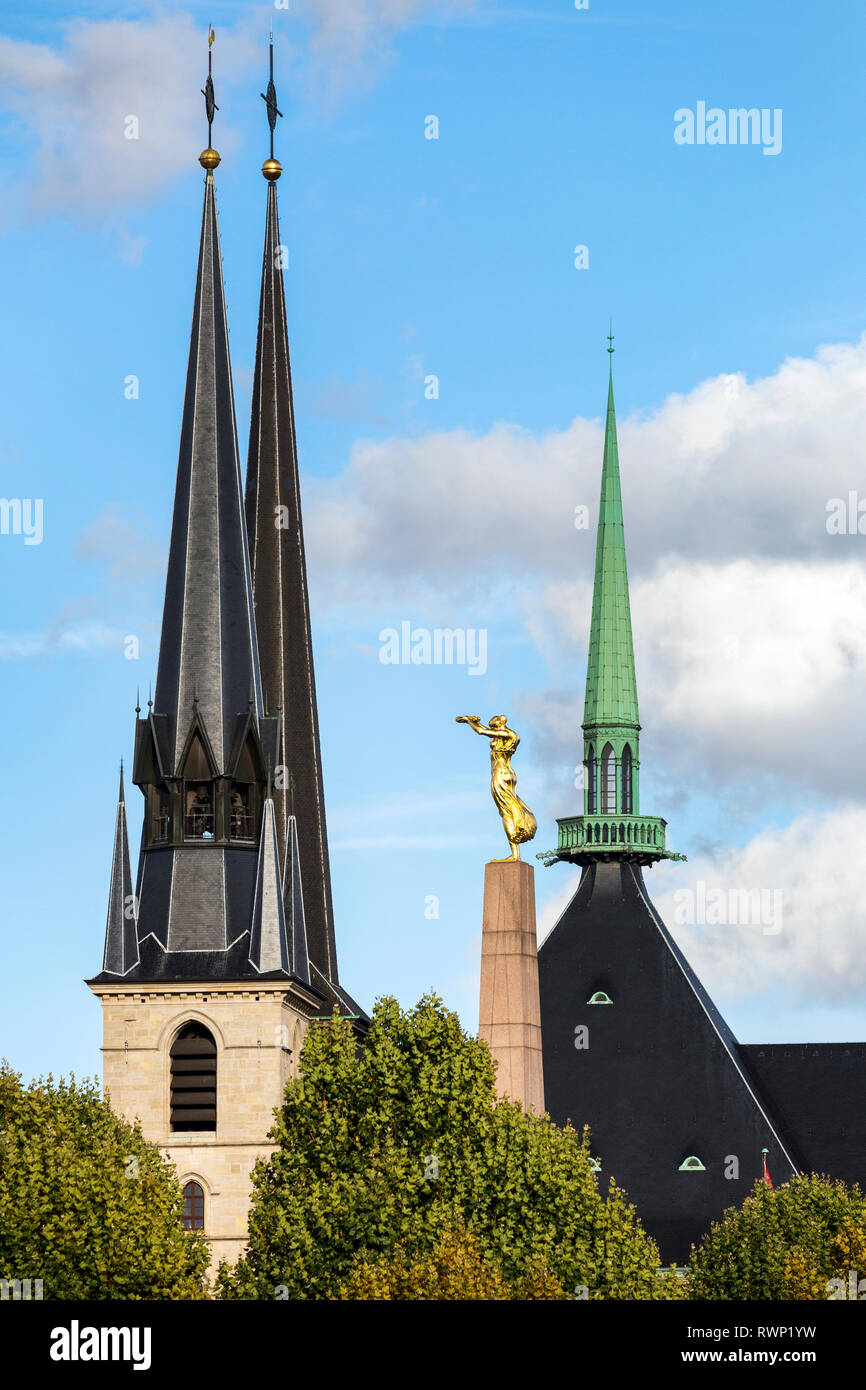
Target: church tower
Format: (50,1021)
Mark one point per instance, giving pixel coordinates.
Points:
(206,985)
(632,1044)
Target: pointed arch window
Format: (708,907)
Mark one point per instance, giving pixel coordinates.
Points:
(244,799)
(592,769)
(193,1079)
(198,793)
(608,780)
(626,781)
(193,1207)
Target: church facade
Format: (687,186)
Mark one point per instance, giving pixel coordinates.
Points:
(223,951)
(682,1115)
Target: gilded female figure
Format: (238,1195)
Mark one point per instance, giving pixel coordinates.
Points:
(518,821)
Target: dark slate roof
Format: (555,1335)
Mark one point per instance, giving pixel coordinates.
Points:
(663,1078)
(157,965)
(121,937)
(208,645)
(820,1089)
(282,603)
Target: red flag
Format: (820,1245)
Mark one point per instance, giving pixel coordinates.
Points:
(767,1179)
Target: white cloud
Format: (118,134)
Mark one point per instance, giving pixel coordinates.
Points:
(810,870)
(749,617)
(72,106)
(751,674)
(732,469)
(814,863)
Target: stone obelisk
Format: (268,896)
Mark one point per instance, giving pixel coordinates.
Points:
(509,1019)
(510,1013)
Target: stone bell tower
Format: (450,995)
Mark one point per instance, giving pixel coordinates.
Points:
(206,982)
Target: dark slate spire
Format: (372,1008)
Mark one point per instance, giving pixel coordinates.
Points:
(121,936)
(273,509)
(200,752)
(207,655)
(204,752)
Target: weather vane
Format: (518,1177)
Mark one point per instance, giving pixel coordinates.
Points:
(209,159)
(271,167)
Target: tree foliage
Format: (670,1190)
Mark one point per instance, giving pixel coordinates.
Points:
(384,1150)
(86,1204)
(786,1243)
(454,1269)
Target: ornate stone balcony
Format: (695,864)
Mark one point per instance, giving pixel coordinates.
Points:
(583,839)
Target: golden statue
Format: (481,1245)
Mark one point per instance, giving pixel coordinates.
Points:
(518,822)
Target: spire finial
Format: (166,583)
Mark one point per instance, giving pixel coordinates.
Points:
(611,349)
(209,159)
(149,697)
(271,167)
(137,700)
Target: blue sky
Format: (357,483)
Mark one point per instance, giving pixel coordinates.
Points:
(735,281)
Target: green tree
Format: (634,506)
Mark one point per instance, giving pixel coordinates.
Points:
(86,1204)
(455,1269)
(785,1243)
(391,1146)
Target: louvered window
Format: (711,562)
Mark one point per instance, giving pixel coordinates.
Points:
(193,1079)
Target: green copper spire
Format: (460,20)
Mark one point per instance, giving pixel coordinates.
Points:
(611,826)
(611,688)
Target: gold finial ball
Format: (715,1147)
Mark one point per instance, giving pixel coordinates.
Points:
(209,159)
(272,168)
